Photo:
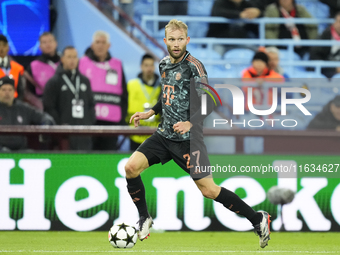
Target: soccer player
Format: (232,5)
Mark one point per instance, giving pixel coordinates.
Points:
(179,135)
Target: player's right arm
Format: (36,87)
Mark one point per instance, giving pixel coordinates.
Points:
(141,116)
(157,108)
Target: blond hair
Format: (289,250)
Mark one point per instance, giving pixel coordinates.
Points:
(175,24)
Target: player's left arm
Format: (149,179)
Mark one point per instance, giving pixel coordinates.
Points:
(197,85)
(201,88)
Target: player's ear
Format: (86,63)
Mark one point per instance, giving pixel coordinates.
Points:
(188,39)
(164,39)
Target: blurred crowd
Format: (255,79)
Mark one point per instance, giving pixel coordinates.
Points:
(242,9)
(64,89)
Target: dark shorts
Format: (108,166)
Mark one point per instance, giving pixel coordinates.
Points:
(191,156)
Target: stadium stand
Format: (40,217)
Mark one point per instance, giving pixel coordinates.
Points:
(319,10)
(231,64)
(239,53)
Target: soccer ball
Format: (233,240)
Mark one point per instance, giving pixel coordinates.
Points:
(122,236)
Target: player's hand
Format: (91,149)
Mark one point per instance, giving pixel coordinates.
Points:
(182,127)
(141,116)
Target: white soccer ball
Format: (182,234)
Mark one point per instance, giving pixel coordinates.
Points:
(122,236)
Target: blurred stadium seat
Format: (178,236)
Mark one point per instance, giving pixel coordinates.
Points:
(222,72)
(317,10)
(198,29)
(202,53)
(243,54)
(285,55)
(201,8)
(240,59)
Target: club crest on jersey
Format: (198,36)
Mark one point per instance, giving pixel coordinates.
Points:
(178,76)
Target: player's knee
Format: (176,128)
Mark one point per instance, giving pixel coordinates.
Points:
(131,170)
(208,193)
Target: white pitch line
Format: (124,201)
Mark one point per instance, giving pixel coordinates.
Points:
(148,251)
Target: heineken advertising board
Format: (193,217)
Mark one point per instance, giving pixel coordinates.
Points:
(86,192)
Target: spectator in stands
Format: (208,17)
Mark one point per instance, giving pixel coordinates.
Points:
(68,98)
(14,112)
(273,54)
(334,7)
(329,52)
(260,69)
(233,9)
(259,72)
(108,84)
(143,94)
(10,67)
(43,68)
(289,9)
(329,117)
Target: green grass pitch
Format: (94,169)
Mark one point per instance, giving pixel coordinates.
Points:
(28,242)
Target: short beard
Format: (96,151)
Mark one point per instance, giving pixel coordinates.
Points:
(180,55)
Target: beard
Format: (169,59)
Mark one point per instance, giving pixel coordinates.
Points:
(179,55)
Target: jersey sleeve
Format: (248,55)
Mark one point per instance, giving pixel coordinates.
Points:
(201,86)
(157,108)
(199,74)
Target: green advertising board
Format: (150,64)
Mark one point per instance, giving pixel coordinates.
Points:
(86,192)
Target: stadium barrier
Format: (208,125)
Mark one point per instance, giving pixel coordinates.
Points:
(260,21)
(275,141)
